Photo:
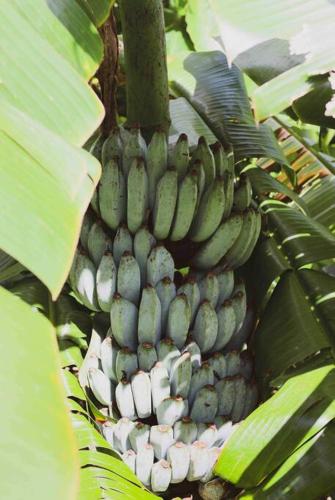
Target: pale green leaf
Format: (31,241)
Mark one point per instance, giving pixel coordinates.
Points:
(35,428)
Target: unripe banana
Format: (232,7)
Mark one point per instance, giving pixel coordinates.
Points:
(229,193)
(194,350)
(159,265)
(198,461)
(202,377)
(205,405)
(226,285)
(161,438)
(112,194)
(191,289)
(144,463)
(245,255)
(205,328)
(210,211)
(143,244)
(149,316)
(226,395)
(137,195)
(178,456)
(88,222)
(100,386)
(185,430)
(239,302)
(124,317)
(122,430)
(160,476)
(84,280)
(165,204)
(141,387)
(134,146)
(112,146)
(180,156)
(220,158)
(160,384)
(209,289)
(241,336)
(204,153)
(108,354)
(98,243)
(156,162)
(225,429)
(167,352)
(219,364)
(170,410)
(207,433)
(126,364)
(233,362)
(123,242)
(251,399)
(246,365)
(166,291)
(129,278)
(198,168)
(108,432)
(124,399)
(147,356)
(179,319)
(129,458)
(240,395)
(226,325)
(106,281)
(243,194)
(139,436)
(180,376)
(232,256)
(186,205)
(213,455)
(219,244)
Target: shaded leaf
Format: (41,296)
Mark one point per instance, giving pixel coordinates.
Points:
(97,10)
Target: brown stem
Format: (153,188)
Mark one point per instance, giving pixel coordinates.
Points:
(107,73)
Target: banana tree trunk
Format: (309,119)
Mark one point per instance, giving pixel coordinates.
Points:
(145,62)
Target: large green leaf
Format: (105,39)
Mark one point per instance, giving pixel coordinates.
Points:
(308,473)
(218,93)
(320,199)
(296,413)
(35,428)
(97,10)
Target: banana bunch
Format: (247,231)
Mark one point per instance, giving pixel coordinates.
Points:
(164,369)
(179,194)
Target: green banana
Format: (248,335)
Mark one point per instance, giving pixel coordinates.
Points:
(129,278)
(124,399)
(210,211)
(129,458)
(205,327)
(178,456)
(144,463)
(122,430)
(141,387)
(106,281)
(84,279)
(209,289)
(219,364)
(161,438)
(149,316)
(205,155)
(139,436)
(134,147)
(207,433)
(147,356)
(160,476)
(180,156)
(226,325)
(112,146)
(165,204)
(88,222)
(166,291)
(123,242)
(226,284)
(124,317)
(167,352)
(137,195)
(240,396)
(194,350)
(112,194)
(199,461)
(218,245)
(108,354)
(156,162)
(220,158)
(205,405)
(191,289)
(170,410)
(186,204)
(228,179)
(100,386)
(246,254)
(185,430)
(179,319)
(200,378)
(143,244)
(243,194)
(160,384)
(225,389)
(126,364)
(98,243)
(232,257)
(180,376)
(198,168)
(160,264)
